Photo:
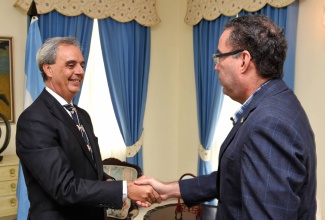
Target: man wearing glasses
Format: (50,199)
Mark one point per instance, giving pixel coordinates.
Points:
(267,163)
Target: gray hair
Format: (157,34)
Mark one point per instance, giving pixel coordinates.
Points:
(48,51)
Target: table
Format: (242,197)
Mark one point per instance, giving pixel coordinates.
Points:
(167,212)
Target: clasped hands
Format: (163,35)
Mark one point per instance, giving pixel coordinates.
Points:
(147,190)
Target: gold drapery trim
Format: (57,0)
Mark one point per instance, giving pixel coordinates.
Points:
(132,150)
(211,9)
(205,155)
(142,11)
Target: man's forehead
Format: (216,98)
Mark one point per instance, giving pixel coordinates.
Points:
(224,36)
(69,52)
(68,48)
(223,40)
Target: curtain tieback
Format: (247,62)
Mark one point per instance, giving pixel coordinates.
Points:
(132,150)
(205,155)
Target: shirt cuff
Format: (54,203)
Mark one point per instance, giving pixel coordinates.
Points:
(125,190)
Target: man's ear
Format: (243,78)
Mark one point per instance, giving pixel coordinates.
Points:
(246,59)
(47,69)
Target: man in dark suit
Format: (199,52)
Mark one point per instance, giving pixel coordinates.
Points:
(267,163)
(62,164)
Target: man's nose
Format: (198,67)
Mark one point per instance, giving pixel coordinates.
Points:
(80,69)
(216,67)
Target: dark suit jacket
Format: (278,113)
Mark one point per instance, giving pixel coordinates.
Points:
(267,163)
(63,181)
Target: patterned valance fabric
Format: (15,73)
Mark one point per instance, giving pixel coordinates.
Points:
(142,11)
(211,9)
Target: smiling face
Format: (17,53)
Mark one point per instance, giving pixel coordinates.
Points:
(66,74)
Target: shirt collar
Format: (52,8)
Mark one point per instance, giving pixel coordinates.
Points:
(57,97)
(238,113)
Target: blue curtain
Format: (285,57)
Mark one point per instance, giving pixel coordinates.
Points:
(208,90)
(54,24)
(126,54)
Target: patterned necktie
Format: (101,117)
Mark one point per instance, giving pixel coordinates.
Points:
(80,127)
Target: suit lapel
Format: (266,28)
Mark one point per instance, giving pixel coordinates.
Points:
(89,131)
(59,112)
(94,145)
(234,130)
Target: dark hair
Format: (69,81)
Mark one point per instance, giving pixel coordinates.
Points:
(264,40)
(47,52)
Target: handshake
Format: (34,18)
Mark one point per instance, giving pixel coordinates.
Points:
(146,190)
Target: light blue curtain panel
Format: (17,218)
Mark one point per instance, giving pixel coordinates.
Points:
(54,24)
(34,86)
(126,54)
(208,90)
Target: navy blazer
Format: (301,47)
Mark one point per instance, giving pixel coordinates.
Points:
(62,179)
(267,163)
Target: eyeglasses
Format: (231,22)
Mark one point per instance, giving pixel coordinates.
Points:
(216,57)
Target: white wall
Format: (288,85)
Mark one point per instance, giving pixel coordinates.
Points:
(13,23)
(161,114)
(171,135)
(310,77)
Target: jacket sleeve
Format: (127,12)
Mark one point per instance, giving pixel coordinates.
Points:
(198,189)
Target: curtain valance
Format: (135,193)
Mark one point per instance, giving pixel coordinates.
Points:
(142,11)
(211,9)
